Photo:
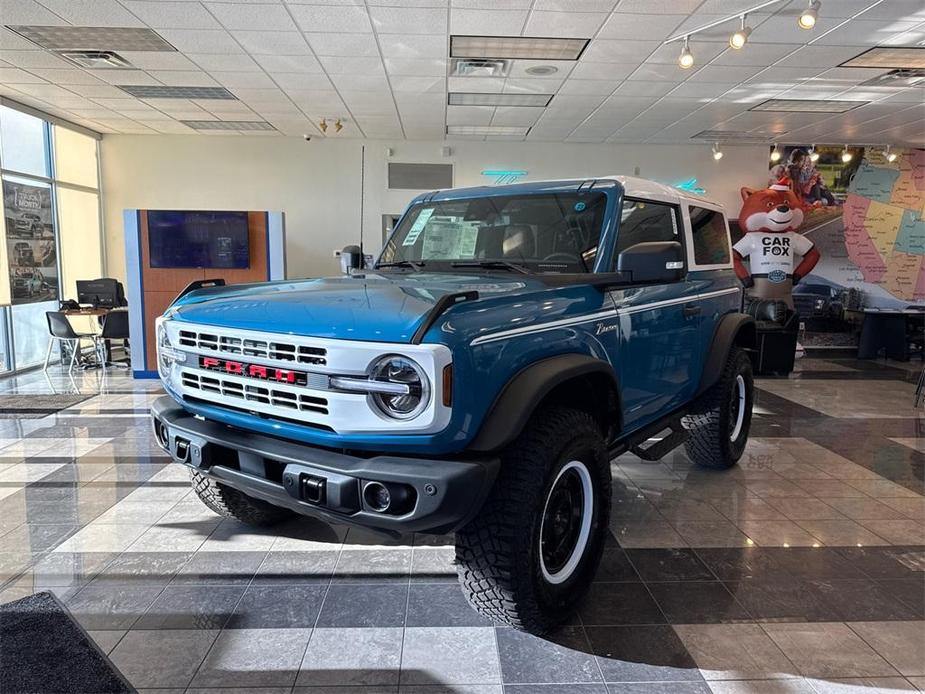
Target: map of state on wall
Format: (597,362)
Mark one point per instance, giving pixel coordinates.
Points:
(884,220)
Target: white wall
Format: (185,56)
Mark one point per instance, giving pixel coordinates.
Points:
(317,183)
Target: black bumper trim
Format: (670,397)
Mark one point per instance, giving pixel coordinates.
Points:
(448,492)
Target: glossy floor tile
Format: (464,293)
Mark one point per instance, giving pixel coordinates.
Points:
(800,570)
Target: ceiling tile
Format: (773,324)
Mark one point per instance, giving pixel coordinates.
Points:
(184,78)
(253,17)
(12,75)
(30,59)
(301,80)
(306,64)
(272,42)
(421,68)
(158,60)
(229,63)
(564,24)
(419,46)
(724,73)
(353,65)
(622,25)
(343,19)
(172,15)
(702,90)
(201,41)
(867,32)
(756,54)
(343,44)
(469,115)
(417,85)
(586,70)
(101,13)
(65,76)
(481,85)
(247,80)
(659,72)
(588,87)
(522,115)
(352,82)
(30,12)
(404,20)
(132,77)
(611,51)
(640,88)
(95,91)
(487,22)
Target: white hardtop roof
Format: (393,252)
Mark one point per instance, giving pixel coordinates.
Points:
(643,187)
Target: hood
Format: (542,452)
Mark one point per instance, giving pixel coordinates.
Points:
(377,307)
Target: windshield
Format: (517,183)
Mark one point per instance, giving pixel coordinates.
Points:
(556,232)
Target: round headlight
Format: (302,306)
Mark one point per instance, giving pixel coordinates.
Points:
(410,400)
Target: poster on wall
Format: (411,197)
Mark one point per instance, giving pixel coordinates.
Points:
(30,243)
(866,217)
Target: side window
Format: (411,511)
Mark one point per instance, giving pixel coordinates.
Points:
(711,238)
(643,221)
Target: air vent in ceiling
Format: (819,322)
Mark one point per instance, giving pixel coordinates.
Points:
(156,91)
(897,78)
(71,38)
(238,125)
(885,57)
(480,67)
(743,136)
(96,59)
(483,130)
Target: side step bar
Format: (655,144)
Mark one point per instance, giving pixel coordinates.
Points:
(660,449)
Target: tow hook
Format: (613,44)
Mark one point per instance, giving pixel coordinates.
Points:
(181,449)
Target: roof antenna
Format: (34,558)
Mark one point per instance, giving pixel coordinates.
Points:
(362,192)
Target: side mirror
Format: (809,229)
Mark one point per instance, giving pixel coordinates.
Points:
(652,261)
(350,259)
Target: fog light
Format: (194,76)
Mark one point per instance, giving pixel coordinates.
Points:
(377,497)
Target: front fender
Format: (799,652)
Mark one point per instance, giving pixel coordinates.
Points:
(522,394)
(733,329)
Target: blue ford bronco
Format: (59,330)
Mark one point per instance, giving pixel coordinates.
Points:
(478,378)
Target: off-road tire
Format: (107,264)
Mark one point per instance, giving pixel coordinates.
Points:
(230,503)
(498,552)
(712,418)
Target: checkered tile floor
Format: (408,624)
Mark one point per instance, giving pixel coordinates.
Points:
(802,570)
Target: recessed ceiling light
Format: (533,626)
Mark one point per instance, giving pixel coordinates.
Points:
(227,124)
(62,38)
(479,67)
(542,70)
(94,60)
(486,130)
(889,57)
(156,91)
(523,47)
(471,99)
(901,78)
(807,105)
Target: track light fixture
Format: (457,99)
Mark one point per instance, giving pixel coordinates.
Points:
(846,156)
(888,155)
(323,125)
(338,126)
(740,37)
(813,154)
(686,59)
(775,154)
(809,16)
(717,152)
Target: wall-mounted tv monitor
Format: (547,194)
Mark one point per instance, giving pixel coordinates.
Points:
(179,238)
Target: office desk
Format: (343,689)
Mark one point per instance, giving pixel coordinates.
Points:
(887,330)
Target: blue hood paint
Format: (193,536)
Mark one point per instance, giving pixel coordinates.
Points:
(382,307)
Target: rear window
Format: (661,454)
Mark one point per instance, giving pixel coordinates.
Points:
(710,235)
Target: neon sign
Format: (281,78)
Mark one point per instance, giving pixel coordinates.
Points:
(504,175)
(690,185)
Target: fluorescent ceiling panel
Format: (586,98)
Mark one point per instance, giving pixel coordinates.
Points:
(889,57)
(473,99)
(228,125)
(63,38)
(486,130)
(523,47)
(744,136)
(156,91)
(807,105)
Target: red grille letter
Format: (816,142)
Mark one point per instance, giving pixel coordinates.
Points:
(209,362)
(234,367)
(285,376)
(255,371)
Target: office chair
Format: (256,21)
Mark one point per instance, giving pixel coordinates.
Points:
(115,327)
(61,330)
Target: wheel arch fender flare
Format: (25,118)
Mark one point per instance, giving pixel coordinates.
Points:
(732,329)
(520,397)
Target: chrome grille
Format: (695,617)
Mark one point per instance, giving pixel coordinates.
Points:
(250,347)
(264,395)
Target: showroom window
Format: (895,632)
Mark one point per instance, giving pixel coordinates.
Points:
(52,227)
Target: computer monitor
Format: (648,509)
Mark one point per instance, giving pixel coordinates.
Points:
(101,293)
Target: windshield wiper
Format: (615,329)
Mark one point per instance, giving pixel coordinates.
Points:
(492,265)
(416,266)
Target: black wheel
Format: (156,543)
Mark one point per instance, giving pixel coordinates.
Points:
(532,551)
(719,421)
(230,503)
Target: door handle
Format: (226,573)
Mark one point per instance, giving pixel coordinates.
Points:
(691,310)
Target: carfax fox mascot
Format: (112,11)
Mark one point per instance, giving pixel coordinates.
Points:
(771,243)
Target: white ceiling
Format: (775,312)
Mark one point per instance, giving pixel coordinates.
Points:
(382,65)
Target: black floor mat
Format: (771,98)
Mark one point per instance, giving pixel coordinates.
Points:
(42,649)
(36,405)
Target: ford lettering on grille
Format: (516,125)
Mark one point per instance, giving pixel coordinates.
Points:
(263,373)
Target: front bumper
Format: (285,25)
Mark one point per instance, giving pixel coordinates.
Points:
(426,495)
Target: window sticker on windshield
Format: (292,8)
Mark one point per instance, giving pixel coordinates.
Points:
(417,227)
(449,238)
(468,237)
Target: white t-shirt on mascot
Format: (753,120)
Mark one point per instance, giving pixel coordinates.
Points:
(772,254)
